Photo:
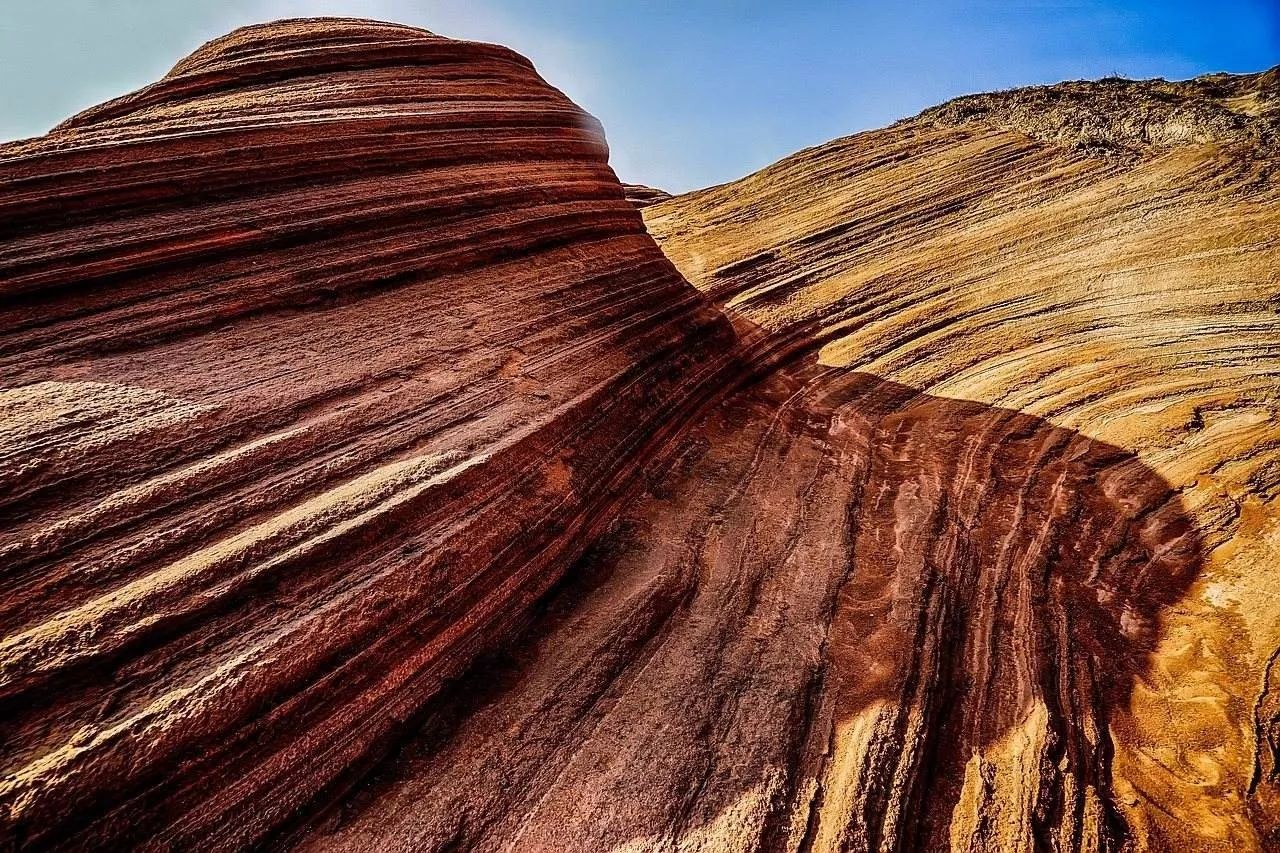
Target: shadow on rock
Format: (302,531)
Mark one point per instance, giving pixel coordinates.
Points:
(1007,585)
(853,616)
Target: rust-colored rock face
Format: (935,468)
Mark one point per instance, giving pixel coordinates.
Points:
(984,562)
(371,481)
(321,359)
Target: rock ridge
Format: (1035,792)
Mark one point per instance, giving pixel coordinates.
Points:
(1120,116)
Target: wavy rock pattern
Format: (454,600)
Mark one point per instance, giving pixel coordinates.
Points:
(1133,301)
(339,357)
(322,357)
(986,561)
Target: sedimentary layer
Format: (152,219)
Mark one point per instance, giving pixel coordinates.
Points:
(985,560)
(369,480)
(322,357)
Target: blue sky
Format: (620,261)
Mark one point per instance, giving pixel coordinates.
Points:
(691,92)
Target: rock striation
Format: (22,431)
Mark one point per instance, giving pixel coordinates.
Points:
(371,481)
(321,359)
(984,559)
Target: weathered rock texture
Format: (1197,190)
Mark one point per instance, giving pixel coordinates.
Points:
(1120,116)
(954,527)
(323,356)
(986,561)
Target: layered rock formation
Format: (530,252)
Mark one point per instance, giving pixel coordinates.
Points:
(986,561)
(944,516)
(322,357)
(1132,300)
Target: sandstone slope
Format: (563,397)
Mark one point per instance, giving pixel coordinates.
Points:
(349,412)
(985,560)
(321,358)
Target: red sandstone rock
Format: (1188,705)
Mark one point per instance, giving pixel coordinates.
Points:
(984,562)
(322,356)
(326,358)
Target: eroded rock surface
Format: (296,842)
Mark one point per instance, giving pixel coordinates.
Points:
(984,562)
(940,514)
(322,357)
(1118,116)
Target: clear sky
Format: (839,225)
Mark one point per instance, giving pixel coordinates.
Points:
(691,92)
